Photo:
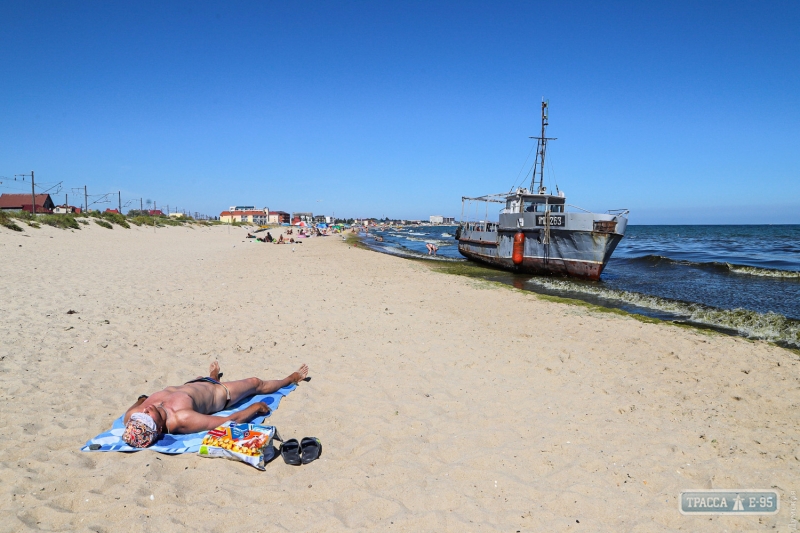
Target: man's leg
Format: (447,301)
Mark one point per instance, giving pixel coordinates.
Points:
(250,386)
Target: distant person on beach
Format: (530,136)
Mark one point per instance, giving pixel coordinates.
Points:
(280,239)
(432,248)
(269,237)
(186,408)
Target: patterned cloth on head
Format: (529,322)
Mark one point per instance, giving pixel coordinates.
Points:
(140,432)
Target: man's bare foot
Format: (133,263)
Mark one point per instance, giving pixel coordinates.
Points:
(213,370)
(301,374)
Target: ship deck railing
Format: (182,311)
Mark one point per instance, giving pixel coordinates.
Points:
(480,226)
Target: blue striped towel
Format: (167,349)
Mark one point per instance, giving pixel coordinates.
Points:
(111,441)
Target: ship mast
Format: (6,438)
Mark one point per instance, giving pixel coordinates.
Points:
(541,147)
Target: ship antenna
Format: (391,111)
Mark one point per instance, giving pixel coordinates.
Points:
(541,148)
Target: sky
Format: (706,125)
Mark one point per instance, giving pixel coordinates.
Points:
(682,112)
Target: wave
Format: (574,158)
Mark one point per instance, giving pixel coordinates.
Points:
(770,326)
(722,266)
(766,272)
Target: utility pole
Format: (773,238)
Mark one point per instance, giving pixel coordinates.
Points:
(85,200)
(119,201)
(66,200)
(33,195)
(141,207)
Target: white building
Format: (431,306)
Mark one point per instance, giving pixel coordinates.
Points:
(436,219)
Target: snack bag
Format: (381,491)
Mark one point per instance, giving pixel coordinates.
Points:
(248,443)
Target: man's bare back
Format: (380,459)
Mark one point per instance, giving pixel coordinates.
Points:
(187,408)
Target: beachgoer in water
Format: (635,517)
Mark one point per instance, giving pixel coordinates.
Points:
(187,408)
(432,248)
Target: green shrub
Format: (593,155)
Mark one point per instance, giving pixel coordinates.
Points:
(146,220)
(82,221)
(21,215)
(116,218)
(104,224)
(60,221)
(171,221)
(8,222)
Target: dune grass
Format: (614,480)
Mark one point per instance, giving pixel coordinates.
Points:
(63,221)
(10,219)
(7,221)
(117,219)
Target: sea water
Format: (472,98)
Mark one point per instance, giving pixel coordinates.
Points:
(741,279)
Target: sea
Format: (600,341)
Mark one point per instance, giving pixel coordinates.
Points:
(742,280)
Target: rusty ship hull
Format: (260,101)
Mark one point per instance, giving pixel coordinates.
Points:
(578,254)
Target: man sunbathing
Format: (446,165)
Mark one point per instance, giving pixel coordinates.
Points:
(186,408)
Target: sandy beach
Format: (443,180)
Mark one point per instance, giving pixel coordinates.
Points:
(443,403)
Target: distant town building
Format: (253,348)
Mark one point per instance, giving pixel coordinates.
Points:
(66,209)
(259,217)
(245,214)
(308,218)
(113,211)
(279,217)
(320,219)
(155,212)
(448,220)
(436,219)
(22,202)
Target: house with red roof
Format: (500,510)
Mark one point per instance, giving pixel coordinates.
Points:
(22,202)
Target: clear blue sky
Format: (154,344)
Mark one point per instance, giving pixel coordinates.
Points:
(683,112)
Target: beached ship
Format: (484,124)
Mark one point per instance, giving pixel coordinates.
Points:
(535,233)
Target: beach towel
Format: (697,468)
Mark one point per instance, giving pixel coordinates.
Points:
(111,441)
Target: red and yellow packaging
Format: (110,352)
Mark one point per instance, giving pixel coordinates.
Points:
(248,443)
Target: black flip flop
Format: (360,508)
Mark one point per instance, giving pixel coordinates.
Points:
(290,451)
(312,449)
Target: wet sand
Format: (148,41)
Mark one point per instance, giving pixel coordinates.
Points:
(443,403)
